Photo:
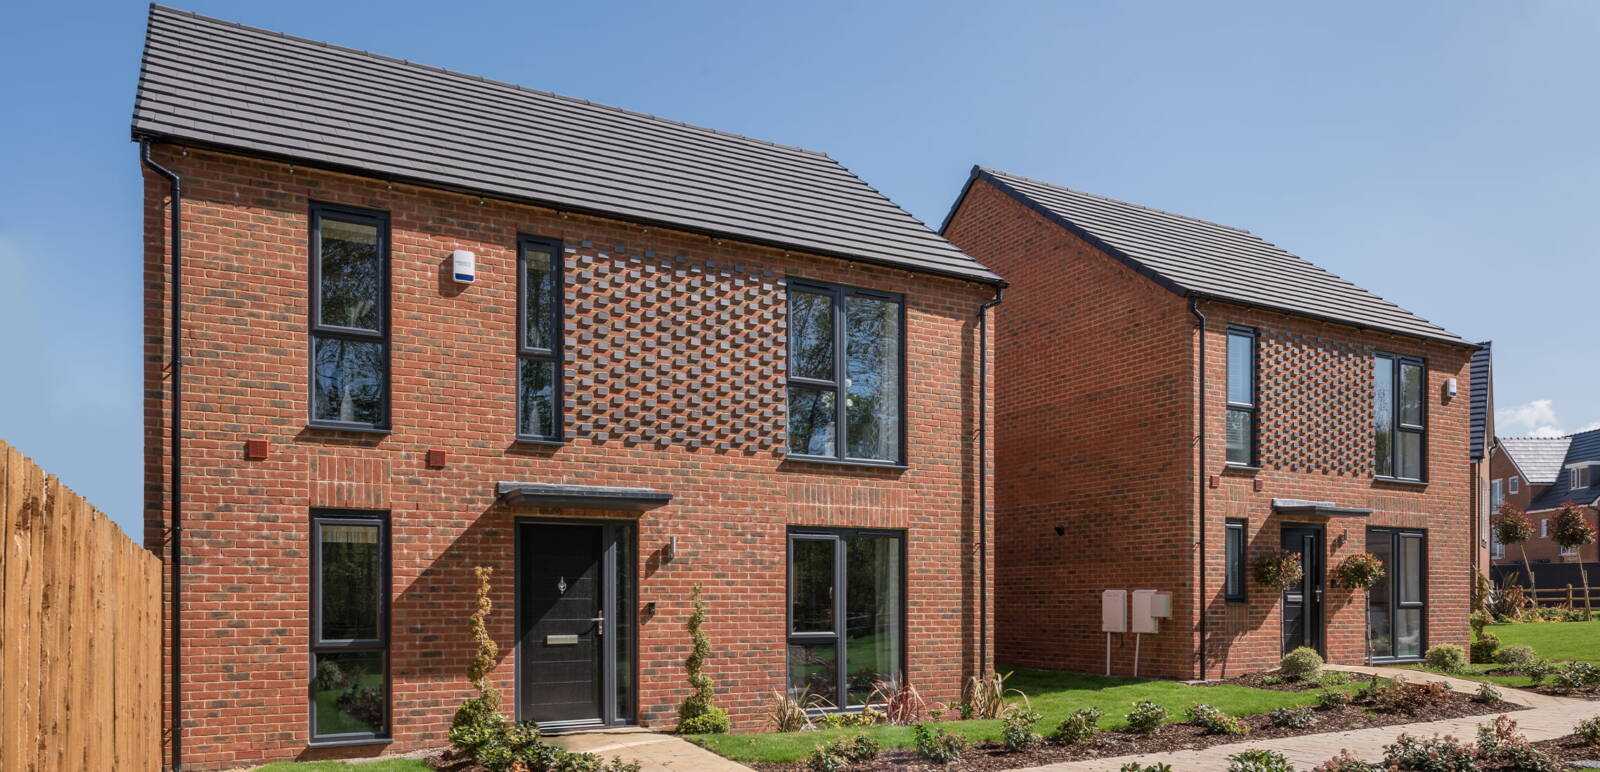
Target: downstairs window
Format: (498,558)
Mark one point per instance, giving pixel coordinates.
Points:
(846,613)
(349,689)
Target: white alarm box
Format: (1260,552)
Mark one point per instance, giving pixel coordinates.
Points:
(1114,611)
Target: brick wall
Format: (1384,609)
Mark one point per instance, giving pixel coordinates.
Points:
(674,381)
(1095,386)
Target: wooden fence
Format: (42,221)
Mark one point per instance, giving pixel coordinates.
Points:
(80,631)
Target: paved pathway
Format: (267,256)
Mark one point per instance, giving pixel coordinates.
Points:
(654,751)
(1547,717)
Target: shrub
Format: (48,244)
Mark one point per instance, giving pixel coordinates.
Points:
(1258,760)
(1487,693)
(937,745)
(697,715)
(1516,657)
(1346,762)
(1332,699)
(858,749)
(1018,734)
(1215,721)
(1277,570)
(1334,678)
(1501,747)
(1146,717)
(1446,658)
(787,712)
(1134,766)
(1358,572)
(1439,754)
(1576,676)
(1292,718)
(985,697)
(1078,726)
(1484,648)
(1402,696)
(902,703)
(1538,671)
(825,760)
(1588,729)
(1301,663)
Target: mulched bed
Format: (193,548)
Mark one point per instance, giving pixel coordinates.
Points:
(1569,749)
(1172,737)
(452,760)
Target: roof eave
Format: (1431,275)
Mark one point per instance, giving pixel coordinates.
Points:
(138,134)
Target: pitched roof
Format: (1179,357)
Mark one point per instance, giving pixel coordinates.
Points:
(1205,259)
(1583,446)
(1539,458)
(1481,406)
(224,85)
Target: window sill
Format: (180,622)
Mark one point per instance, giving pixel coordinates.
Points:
(1237,602)
(350,743)
(1241,468)
(825,461)
(1400,481)
(328,426)
(540,441)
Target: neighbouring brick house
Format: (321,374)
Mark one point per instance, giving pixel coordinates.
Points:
(1538,475)
(683,360)
(1329,429)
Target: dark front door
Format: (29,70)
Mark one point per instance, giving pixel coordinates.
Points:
(563,648)
(1302,601)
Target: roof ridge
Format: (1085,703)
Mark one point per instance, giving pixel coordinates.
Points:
(1545,437)
(1119,201)
(491,81)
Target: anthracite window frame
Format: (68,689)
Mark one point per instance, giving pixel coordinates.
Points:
(1397,536)
(317,329)
(554,354)
(1253,407)
(1421,430)
(1235,529)
(319,645)
(841,591)
(841,442)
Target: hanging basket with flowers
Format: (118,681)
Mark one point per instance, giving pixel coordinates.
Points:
(1358,572)
(1278,570)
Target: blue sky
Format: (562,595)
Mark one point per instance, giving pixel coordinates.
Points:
(1442,154)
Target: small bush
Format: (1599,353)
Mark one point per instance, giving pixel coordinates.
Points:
(1487,693)
(1258,760)
(1134,766)
(1576,677)
(1332,699)
(858,749)
(937,745)
(1347,762)
(1588,729)
(1334,678)
(1078,726)
(1538,671)
(1215,721)
(1292,718)
(1501,747)
(1484,648)
(1516,657)
(697,714)
(824,760)
(1439,754)
(1018,734)
(1146,717)
(1402,696)
(787,712)
(1302,663)
(713,721)
(1446,658)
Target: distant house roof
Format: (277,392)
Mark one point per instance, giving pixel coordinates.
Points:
(1583,446)
(219,84)
(1205,259)
(1481,408)
(1539,458)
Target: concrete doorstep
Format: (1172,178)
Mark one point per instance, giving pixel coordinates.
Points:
(1547,718)
(653,751)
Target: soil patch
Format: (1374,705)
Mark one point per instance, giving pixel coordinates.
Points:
(1570,749)
(1172,737)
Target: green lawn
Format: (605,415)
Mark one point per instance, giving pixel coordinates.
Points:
(387,765)
(1554,641)
(1052,693)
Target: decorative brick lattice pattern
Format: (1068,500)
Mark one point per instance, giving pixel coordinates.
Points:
(673,351)
(1316,404)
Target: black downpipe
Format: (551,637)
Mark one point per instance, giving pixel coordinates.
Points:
(175,540)
(1194,308)
(983,480)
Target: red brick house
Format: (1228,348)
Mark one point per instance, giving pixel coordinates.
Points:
(1539,475)
(431,322)
(1333,423)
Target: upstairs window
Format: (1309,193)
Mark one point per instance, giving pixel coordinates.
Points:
(1498,492)
(1401,417)
(846,368)
(539,337)
(349,318)
(1234,581)
(1582,477)
(1241,396)
(1515,484)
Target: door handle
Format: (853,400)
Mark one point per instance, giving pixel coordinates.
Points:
(1319,596)
(599,626)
